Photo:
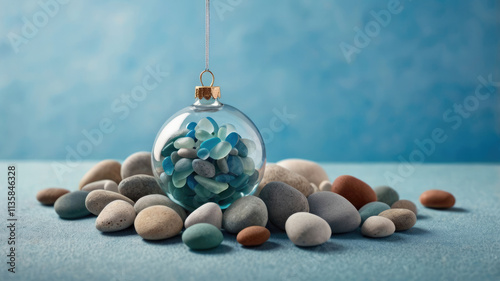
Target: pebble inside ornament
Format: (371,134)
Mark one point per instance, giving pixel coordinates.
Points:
(209,151)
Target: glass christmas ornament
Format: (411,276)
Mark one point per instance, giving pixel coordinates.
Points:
(208,152)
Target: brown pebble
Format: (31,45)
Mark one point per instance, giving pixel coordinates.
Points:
(403,219)
(405,204)
(253,236)
(48,196)
(438,199)
(104,170)
(354,190)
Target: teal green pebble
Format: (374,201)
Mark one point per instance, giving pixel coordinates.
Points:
(212,185)
(203,153)
(210,143)
(235,165)
(168,166)
(202,135)
(242,149)
(205,125)
(248,165)
(233,138)
(221,150)
(216,126)
(72,205)
(202,236)
(372,209)
(386,194)
(185,142)
(191,126)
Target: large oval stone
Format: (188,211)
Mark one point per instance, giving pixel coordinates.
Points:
(377,226)
(157,223)
(386,194)
(116,216)
(438,199)
(277,173)
(339,213)
(98,199)
(202,236)
(158,199)
(104,170)
(253,236)
(244,212)
(72,205)
(48,196)
(137,186)
(207,213)
(138,163)
(403,219)
(306,229)
(355,190)
(282,201)
(405,204)
(312,171)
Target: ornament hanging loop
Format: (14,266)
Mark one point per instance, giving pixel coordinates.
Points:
(201,76)
(207,92)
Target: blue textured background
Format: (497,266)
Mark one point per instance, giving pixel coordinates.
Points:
(268,57)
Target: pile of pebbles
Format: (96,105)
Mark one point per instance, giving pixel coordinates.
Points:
(294,196)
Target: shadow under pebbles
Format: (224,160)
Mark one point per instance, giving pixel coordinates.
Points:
(422,217)
(414,231)
(267,246)
(166,242)
(221,249)
(325,248)
(455,210)
(126,232)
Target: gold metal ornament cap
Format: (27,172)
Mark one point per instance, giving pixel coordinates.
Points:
(207,92)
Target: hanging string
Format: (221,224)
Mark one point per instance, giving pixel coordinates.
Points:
(207,32)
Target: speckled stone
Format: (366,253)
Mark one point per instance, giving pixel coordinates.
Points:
(102,184)
(116,216)
(157,223)
(403,219)
(202,236)
(282,201)
(158,199)
(277,173)
(138,163)
(312,171)
(437,199)
(377,227)
(204,168)
(372,209)
(253,236)
(355,190)
(339,213)
(405,204)
(104,170)
(98,199)
(137,186)
(72,205)
(306,229)
(207,213)
(48,196)
(386,194)
(244,212)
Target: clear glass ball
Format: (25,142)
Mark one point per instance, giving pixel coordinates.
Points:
(208,152)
